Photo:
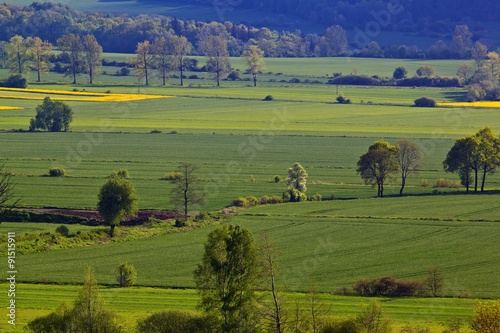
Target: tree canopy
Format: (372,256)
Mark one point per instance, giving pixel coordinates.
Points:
(52,116)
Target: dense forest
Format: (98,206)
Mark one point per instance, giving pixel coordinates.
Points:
(50,21)
(350,13)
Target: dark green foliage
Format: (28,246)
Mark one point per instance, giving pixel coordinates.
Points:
(55,322)
(226,278)
(234,75)
(437,82)
(425,102)
(268,98)
(126,275)
(62,230)
(400,73)
(277,179)
(52,116)
(15,81)
(294,195)
(389,286)
(347,325)
(174,321)
(57,172)
(355,80)
(240,202)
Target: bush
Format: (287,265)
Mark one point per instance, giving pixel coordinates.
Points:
(444,183)
(294,80)
(293,195)
(126,275)
(437,82)
(62,230)
(317,197)
(122,173)
(275,200)
(358,80)
(347,325)
(193,77)
(180,223)
(486,317)
(174,321)
(173,176)
(252,201)
(409,328)
(268,98)
(389,286)
(425,102)
(277,179)
(156,132)
(15,81)
(240,202)
(201,216)
(424,183)
(234,76)
(400,73)
(57,172)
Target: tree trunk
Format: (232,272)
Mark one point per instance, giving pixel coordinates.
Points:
(475,179)
(181,68)
(381,190)
(484,178)
(403,183)
(146,75)
(38,76)
(112,231)
(255,80)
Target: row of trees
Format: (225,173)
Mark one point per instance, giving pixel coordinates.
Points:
(51,21)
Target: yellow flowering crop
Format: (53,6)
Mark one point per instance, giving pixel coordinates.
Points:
(482,104)
(7,108)
(83,96)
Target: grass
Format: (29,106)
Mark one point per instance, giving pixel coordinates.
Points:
(138,302)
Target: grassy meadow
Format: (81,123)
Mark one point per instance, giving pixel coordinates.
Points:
(239,143)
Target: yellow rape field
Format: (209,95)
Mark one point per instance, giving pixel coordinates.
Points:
(63,95)
(8,108)
(482,104)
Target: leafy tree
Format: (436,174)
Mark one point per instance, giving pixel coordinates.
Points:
(185,190)
(91,56)
(126,275)
(464,158)
(479,53)
(371,319)
(53,116)
(215,49)
(435,282)
(465,73)
(378,164)
(409,157)
(116,201)
(41,51)
(226,277)
(425,71)
(486,317)
(59,321)
(335,40)
(181,48)
(297,178)
(19,54)
(400,73)
(462,41)
(163,57)
(7,187)
(89,314)
(489,148)
(71,48)
(144,60)
(254,57)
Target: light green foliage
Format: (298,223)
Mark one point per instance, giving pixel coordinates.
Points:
(19,54)
(254,57)
(425,70)
(126,275)
(226,277)
(122,173)
(116,200)
(174,321)
(486,318)
(297,178)
(372,320)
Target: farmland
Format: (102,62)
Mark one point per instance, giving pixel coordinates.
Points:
(239,143)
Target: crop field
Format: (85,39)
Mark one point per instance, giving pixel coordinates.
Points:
(239,143)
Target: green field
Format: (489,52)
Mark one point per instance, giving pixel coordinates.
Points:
(239,144)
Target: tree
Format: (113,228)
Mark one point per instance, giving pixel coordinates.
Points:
(226,277)
(435,282)
(41,51)
(297,178)
(409,157)
(185,191)
(144,60)
(215,49)
(486,317)
(479,53)
(53,116)
(126,275)
(89,314)
(464,158)
(400,73)
(371,319)
(71,47)
(19,54)
(465,73)
(7,187)
(116,201)
(336,40)
(91,56)
(425,71)
(181,48)
(254,57)
(274,313)
(378,164)
(163,57)
(489,150)
(462,41)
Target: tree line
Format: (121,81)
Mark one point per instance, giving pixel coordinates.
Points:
(50,21)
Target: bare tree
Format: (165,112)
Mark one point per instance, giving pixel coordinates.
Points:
(215,49)
(163,57)
(144,60)
(274,312)
(92,56)
(19,54)
(71,46)
(409,157)
(435,282)
(41,51)
(186,191)
(7,197)
(317,308)
(181,48)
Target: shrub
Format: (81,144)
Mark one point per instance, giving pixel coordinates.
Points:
(180,223)
(411,328)
(193,77)
(444,183)
(347,325)
(294,80)
(277,179)
(264,200)
(57,172)
(122,173)
(341,99)
(240,202)
(486,317)
(317,197)
(174,321)
(275,200)
(268,98)
(62,230)
(156,132)
(424,183)
(126,275)
(400,73)
(201,216)
(358,80)
(252,201)
(173,176)
(388,286)
(437,82)
(293,195)
(15,81)
(425,102)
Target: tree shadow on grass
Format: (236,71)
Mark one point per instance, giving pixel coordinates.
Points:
(456,96)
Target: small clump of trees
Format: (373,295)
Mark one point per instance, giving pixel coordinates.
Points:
(52,116)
